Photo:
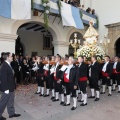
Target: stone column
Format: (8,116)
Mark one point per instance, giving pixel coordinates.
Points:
(61,47)
(7,43)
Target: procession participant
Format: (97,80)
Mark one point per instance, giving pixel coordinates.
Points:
(51,77)
(82,79)
(116,73)
(58,81)
(71,83)
(106,75)
(47,75)
(94,76)
(40,76)
(32,63)
(90,80)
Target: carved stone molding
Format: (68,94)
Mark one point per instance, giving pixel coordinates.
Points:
(61,43)
(8,37)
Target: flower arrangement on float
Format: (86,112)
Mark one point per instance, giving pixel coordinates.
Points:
(87,52)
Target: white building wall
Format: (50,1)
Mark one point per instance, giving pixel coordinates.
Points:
(108,12)
(33,42)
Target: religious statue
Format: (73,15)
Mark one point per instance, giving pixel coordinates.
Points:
(90,46)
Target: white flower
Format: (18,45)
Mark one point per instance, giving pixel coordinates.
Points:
(47,11)
(48,4)
(44,4)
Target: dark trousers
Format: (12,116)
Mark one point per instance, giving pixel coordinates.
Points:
(7,100)
(114,78)
(47,82)
(40,82)
(90,83)
(106,81)
(83,86)
(58,87)
(70,89)
(118,79)
(93,82)
(51,82)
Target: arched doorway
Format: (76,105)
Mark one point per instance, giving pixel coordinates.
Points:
(80,37)
(117,44)
(36,39)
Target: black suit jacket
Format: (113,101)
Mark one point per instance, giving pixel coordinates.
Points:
(82,71)
(58,72)
(7,81)
(72,75)
(109,69)
(40,70)
(95,70)
(118,67)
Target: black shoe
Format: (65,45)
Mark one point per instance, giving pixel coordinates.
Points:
(66,104)
(102,93)
(65,94)
(91,97)
(2,118)
(46,95)
(41,95)
(73,108)
(54,100)
(37,92)
(118,91)
(109,94)
(97,99)
(15,115)
(80,100)
(61,103)
(79,93)
(83,104)
(113,89)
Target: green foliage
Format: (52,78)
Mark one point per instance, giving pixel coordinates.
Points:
(45,1)
(47,8)
(81,15)
(97,22)
(46,20)
(59,6)
(32,4)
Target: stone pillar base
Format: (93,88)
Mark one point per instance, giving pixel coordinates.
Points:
(61,47)
(7,43)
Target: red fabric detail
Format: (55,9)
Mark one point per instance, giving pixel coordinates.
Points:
(45,72)
(65,78)
(83,79)
(105,74)
(55,76)
(114,72)
(39,74)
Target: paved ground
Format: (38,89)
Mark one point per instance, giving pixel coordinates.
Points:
(33,107)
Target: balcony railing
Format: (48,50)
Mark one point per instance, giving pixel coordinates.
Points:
(54,10)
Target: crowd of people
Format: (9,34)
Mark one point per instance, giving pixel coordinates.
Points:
(66,76)
(75,3)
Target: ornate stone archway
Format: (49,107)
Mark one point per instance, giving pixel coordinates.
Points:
(113,35)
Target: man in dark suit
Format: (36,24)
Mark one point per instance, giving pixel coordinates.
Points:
(106,75)
(58,80)
(82,79)
(116,73)
(94,77)
(7,87)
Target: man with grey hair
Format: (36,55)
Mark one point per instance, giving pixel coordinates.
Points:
(7,87)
